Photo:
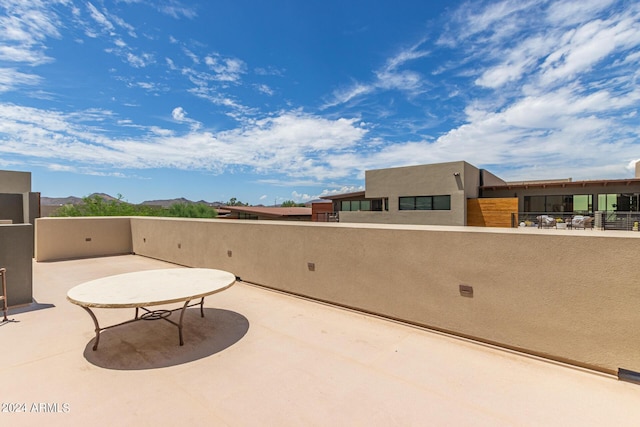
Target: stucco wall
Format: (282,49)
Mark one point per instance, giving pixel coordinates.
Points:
(570,296)
(15,182)
(63,238)
(11,207)
(16,252)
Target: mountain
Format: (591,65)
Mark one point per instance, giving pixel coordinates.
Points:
(71,200)
(59,201)
(165,203)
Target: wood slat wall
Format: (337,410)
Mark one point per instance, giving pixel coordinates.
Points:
(491,212)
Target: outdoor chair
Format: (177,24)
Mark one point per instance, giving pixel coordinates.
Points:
(546,221)
(580,221)
(3,274)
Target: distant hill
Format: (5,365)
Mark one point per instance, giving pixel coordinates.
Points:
(73,200)
(70,200)
(168,202)
(59,201)
(165,203)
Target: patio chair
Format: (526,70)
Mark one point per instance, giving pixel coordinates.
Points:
(546,221)
(3,274)
(580,221)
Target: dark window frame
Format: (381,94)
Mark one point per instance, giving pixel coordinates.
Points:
(424,203)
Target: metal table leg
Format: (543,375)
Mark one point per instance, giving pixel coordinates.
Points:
(148,315)
(95,322)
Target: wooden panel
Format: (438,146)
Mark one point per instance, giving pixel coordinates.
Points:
(491,212)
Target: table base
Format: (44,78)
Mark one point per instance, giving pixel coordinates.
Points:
(148,315)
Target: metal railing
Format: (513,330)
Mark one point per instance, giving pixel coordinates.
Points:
(627,221)
(602,220)
(326,217)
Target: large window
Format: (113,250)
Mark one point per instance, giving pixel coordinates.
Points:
(425,203)
(363,205)
(618,202)
(578,203)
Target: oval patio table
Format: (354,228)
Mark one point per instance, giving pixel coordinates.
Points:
(149,288)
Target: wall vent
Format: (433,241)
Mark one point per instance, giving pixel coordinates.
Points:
(466,291)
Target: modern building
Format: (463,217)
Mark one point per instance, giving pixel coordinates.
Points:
(19,208)
(18,204)
(458,193)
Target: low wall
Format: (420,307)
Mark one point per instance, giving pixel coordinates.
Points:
(16,252)
(64,238)
(568,296)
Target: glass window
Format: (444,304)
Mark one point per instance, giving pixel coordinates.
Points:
(554,204)
(582,203)
(442,203)
(361,205)
(425,203)
(407,203)
(607,202)
(534,204)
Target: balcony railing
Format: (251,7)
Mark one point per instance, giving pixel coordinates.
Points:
(602,220)
(620,220)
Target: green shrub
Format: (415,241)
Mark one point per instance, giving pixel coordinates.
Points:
(97,206)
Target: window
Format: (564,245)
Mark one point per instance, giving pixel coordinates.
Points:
(618,202)
(361,205)
(576,203)
(425,203)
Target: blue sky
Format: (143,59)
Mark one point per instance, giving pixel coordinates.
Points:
(279,100)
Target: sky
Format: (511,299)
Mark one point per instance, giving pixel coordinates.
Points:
(267,101)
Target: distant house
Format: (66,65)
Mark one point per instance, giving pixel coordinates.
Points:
(434,194)
(269,213)
(458,193)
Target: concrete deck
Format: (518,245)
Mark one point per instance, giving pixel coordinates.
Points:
(264,358)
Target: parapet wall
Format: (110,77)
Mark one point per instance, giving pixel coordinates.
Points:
(16,252)
(571,297)
(64,238)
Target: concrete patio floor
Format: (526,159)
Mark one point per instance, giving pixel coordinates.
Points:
(264,358)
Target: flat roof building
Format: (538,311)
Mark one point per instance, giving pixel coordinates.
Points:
(457,193)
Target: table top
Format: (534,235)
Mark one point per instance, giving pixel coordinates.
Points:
(150,287)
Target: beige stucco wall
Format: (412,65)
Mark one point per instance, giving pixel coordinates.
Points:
(570,296)
(16,252)
(15,182)
(62,238)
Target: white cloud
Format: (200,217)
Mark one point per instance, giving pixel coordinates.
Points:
(262,88)
(225,69)
(100,18)
(343,96)
(139,61)
(10,79)
(575,11)
(291,144)
(388,77)
(178,114)
(24,27)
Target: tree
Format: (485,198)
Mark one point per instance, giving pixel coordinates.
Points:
(291,204)
(191,210)
(235,202)
(96,205)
